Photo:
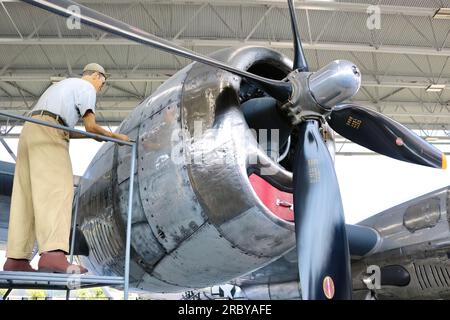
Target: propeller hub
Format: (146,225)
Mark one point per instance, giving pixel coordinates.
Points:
(315,94)
(301,105)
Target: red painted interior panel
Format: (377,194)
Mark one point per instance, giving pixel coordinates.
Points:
(279,202)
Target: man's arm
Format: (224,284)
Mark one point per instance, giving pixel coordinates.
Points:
(91,126)
(76,135)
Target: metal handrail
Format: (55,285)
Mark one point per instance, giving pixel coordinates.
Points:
(132,144)
(57,126)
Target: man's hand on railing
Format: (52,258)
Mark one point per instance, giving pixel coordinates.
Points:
(76,135)
(120,136)
(91,126)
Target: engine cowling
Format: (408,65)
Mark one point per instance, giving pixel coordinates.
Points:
(198,219)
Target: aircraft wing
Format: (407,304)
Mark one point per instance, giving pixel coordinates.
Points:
(412,253)
(6,183)
(279,280)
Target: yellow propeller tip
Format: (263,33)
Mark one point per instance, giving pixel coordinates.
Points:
(444,162)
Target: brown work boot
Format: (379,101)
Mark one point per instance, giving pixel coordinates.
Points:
(22,265)
(56,262)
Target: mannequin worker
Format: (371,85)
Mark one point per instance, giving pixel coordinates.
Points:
(42,196)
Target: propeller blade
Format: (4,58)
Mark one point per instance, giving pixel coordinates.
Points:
(299,56)
(280,90)
(262,113)
(322,245)
(383,135)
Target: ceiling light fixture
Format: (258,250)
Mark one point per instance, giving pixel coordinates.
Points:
(435,88)
(442,13)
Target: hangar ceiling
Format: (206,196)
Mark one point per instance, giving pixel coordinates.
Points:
(399,61)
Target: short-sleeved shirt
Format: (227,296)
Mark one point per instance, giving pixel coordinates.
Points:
(69,98)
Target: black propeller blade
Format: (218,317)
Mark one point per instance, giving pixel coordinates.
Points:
(262,113)
(277,89)
(300,62)
(383,135)
(322,246)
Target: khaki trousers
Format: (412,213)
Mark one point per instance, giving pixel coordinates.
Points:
(41,203)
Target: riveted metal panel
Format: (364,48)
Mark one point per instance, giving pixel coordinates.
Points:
(138,213)
(205,259)
(96,213)
(145,243)
(124,159)
(167,197)
(133,119)
(102,215)
(253,232)
(218,168)
(96,192)
(152,284)
(148,250)
(99,168)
